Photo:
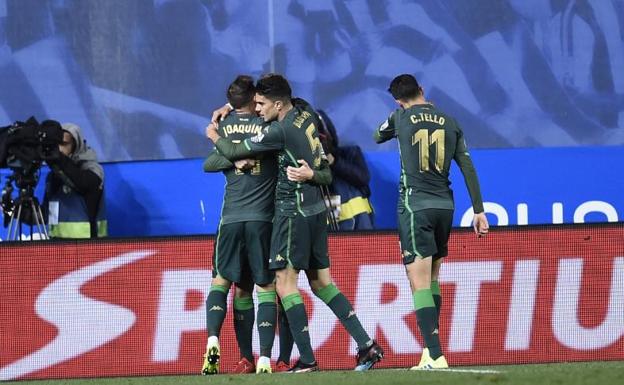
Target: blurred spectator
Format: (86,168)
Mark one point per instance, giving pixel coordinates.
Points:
(349,189)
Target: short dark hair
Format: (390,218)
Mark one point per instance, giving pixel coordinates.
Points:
(274,87)
(404,87)
(241,92)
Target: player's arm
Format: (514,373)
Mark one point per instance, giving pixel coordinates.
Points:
(464,161)
(305,173)
(220,114)
(271,139)
(386,130)
(216,162)
(323,175)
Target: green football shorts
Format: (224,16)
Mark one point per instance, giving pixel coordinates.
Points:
(424,233)
(300,242)
(241,252)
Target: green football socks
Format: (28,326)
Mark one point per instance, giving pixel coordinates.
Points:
(285,336)
(342,308)
(437,299)
(243,325)
(298,320)
(267,318)
(427,321)
(216,307)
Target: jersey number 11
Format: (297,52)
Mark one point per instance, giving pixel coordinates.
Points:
(425,141)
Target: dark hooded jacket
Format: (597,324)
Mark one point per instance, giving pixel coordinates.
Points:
(78,174)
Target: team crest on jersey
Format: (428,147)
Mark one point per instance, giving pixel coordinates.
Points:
(258,138)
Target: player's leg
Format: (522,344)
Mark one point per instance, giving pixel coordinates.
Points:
(216,307)
(437,300)
(286,340)
(323,287)
(419,275)
(418,246)
(258,243)
(443,220)
(435,286)
(225,262)
(266,323)
(369,352)
(288,240)
(443,224)
(286,284)
(244,317)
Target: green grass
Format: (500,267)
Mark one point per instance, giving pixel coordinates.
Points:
(564,374)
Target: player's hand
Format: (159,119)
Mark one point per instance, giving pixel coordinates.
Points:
(300,174)
(244,164)
(220,114)
(211,132)
(480,224)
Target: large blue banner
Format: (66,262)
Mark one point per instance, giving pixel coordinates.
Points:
(520,186)
(141,77)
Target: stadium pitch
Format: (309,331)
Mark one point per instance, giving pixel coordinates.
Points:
(562,373)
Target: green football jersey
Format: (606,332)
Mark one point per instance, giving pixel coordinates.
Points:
(249,194)
(295,137)
(428,140)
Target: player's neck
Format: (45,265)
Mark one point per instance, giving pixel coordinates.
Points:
(244,111)
(414,102)
(249,108)
(282,113)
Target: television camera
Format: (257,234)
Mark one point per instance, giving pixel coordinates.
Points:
(24,146)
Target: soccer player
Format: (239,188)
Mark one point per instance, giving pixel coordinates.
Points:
(241,251)
(299,237)
(428,140)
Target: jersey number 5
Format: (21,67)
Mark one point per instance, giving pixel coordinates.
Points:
(425,141)
(315,144)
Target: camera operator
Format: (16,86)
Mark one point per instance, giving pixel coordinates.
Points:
(74,191)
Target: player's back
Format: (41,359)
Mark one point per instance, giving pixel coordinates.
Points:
(428,139)
(301,141)
(249,194)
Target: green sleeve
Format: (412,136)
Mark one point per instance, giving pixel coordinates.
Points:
(216,162)
(386,130)
(462,157)
(271,139)
(323,175)
(233,151)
